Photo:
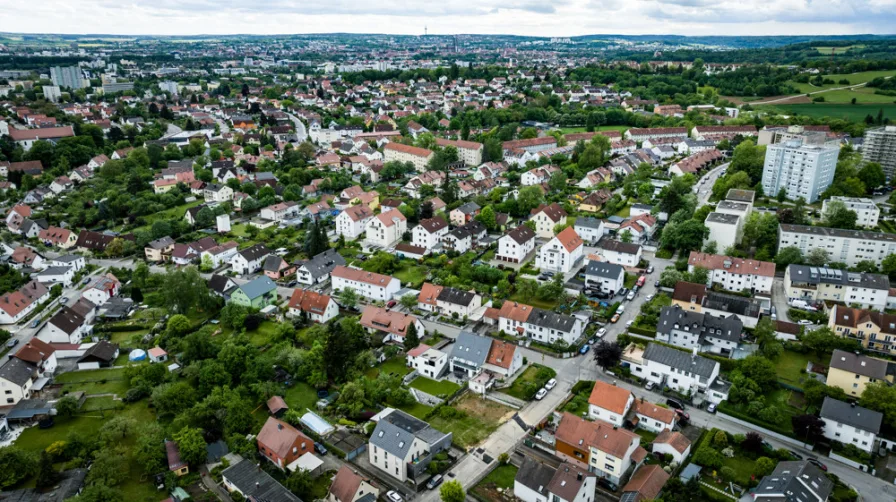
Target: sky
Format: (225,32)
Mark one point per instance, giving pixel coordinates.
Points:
(517,17)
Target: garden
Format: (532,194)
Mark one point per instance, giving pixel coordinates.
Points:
(471,419)
(501,478)
(581,391)
(529,382)
(442,389)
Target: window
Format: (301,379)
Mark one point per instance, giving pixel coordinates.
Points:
(608,467)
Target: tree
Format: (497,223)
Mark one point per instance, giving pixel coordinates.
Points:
(888,266)
(872,175)
(185,289)
(790,255)
(760,370)
(488,218)
(99,493)
(348,298)
(752,442)
(764,466)
(66,407)
(837,215)
(452,491)
(527,288)
(626,236)
(686,236)
(411,340)
(16,464)
(557,183)
(47,476)
(301,483)
(178,325)
(878,396)
(316,240)
(191,445)
(808,427)
(817,257)
(607,354)
(408,301)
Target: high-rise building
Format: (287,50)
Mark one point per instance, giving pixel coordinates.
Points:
(66,76)
(880,147)
(52,93)
(800,169)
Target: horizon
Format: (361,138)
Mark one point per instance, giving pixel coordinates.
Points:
(845,36)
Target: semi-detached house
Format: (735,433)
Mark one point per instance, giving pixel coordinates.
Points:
(600,447)
(376,287)
(515,245)
(448,301)
(538,324)
(352,222)
(677,369)
(699,331)
(318,269)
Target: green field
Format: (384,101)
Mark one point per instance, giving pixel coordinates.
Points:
(174,212)
(826,50)
(568,130)
(854,113)
(104,381)
(480,419)
(854,79)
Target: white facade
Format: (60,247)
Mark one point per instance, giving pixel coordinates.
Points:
(222,257)
(376,292)
(725,229)
(554,256)
(431,363)
(621,258)
(13,393)
(731,280)
(847,434)
(802,170)
(597,413)
(511,251)
(242,265)
(421,237)
(386,228)
(845,246)
(590,234)
(866,210)
(350,228)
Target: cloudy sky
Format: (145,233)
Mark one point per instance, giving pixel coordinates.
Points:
(521,17)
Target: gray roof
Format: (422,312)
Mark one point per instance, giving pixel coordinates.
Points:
(456,296)
(588,222)
(736,206)
(255,252)
(838,232)
(679,359)
(741,195)
(535,475)
(804,274)
(725,218)
(471,347)
(749,307)
(707,325)
(547,319)
(618,246)
(161,243)
(16,371)
(258,286)
(323,263)
(468,208)
(50,271)
(68,258)
(856,416)
(256,483)
(396,432)
(521,234)
(271,263)
(67,320)
(604,269)
(859,364)
(797,481)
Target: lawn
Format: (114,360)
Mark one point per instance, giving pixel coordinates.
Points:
(176,212)
(791,364)
(518,388)
(826,50)
(646,435)
(625,212)
(502,477)
(101,403)
(535,302)
(103,381)
(397,365)
(630,280)
(481,418)
(417,410)
(854,79)
(432,387)
(411,275)
(853,113)
(300,396)
(263,335)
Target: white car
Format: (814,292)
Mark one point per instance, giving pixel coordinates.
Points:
(631,296)
(621,309)
(805,322)
(394,496)
(541,393)
(628,324)
(601,332)
(551,384)
(649,297)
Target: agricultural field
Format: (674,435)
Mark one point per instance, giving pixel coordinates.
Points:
(826,50)
(846,112)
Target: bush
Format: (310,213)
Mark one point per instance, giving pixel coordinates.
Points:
(708,457)
(720,439)
(727,473)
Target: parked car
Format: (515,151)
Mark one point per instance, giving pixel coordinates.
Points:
(650,385)
(805,322)
(650,269)
(320,449)
(674,404)
(584,350)
(35,323)
(434,482)
(711,408)
(682,415)
(551,384)
(12,342)
(541,393)
(614,318)
(628,324)
(607,484)
(817,463)
(622,292)
(601,332)
(648,298)
(794,455)
(630,296)
(391,303)
(63,300)
(621,309)
(656,284)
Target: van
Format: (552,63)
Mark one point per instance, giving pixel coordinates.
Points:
(674,404)
(434,482)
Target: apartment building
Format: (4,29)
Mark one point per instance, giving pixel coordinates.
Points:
(419,157)
(699,331)
(844,246)
(853,372)
(515,245)
(725,229)
(546,217)
(876,331)
(429,233)
(606,277)
(352,223)
(850,424)
(799,168)
(403,446)
(387,228)
(677,369)
(469,152)
(813,284)
(376,287)
(562,253)
(880,147)
(626,254)
(735,274)
(866,210)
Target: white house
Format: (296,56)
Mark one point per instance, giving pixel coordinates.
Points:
(605,277)
(385,229)
(317,306)
(699,331)
(562,253)
(609,403)
(376,287)
(546,218)
(57,275)
(403,446)
(427,361)
(866,210)
(222,254)
(590,229)
(448,301)
(17,378)
(217,194)
(539,482)
(280,211)
(540,325)
(850,424)
(601,447)
(626,254)
(673,443)
(352,222)
(249,260)
(515,245)
(813,284)
(653,417)
(66,326)
(318,268)
(73,261)
(429,233)
(845,246)
(677,369)
(735,274)
(16,305)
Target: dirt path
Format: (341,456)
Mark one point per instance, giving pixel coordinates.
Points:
(788,98)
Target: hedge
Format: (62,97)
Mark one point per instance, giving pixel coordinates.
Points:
(641,331)
(726,409)
(112,328)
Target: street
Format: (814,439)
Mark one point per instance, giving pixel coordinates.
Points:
(703,188)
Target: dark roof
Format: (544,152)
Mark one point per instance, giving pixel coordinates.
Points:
(741,195)
(796,481)
(396,432)
(161,243)
(749,307)
(859,364)
(850,414)
(679,359)
(271,263)
(618,246)
(67,320)
(468,230)
(604,269)
(588,222)
(16,371)
(456,296)
(255,252)
(70,482)
(219,283)
(552,320)
(257,484)
(468,208)
(432,225)
(471,347)
(838,232)
(803,274)
(323,263)
(521,234)
(728,219)
(707,325)
(535,475)
(103,351)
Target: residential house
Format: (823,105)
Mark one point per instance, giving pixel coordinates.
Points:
(276,267)
(317,270)
(794,481)
(102,354)
(175,463)
(16,305)
(159,250)
(217,194)
(72,261)
(589,229)
(376,287)
(17,378)
(699,331)
(402,446)
(392,324)
(515,245)
(609,403)
(725,229)
(249,260)
(540,325)
(538,482)
(814,284)
(603,448)
(866,210)
(257,293)
(26,258)
(853,372)
(62,238)
(220,255)
(283,444)
(562,253)
(674,443)
(626,254)
(39,354)
(464,214)
(645,484)
(650,416)
(427,361)
(848,423)
(318,307)
(252,483)
(280,211)
(469,354)
(546,217)
(679,370)
(56,275)
(606,277)
(349,486)
(640,227)
(387,228)
(353,221)
(469,152)
(503,359)
(876,331)
(66,326)
(464,238)
(429,233)
(735,274)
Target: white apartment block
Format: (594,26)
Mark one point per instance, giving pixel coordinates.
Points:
(376,287)
(561,253)
(866,210)
(419,157)
(812,284)
(429,233)
(801,169)
(850,424)
(385,229)
(725,229)
(469,152)
(880,147)
(352,223)
(845,246)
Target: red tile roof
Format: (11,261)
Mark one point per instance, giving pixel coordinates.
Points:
(610,397)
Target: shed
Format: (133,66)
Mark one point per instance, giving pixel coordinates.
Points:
(157,355)
(277,406)
(317,424)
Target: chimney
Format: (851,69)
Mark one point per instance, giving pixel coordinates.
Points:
(279,427)
(579,476)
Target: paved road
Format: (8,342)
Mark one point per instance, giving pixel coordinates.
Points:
(704,189)
(173,129)
(300,127)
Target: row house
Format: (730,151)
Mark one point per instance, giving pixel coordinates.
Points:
(374,287)
(538,324)
(640,135)
(735,274)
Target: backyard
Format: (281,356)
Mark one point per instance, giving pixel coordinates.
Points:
(527,384)
(791,367)
(300,397)
(102,381)
(443,388)
(479,419)
(397,366)
(501,478)
(411,275)
(788,402)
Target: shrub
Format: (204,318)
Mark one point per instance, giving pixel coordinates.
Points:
(720,440)
(727,473)
(708,457)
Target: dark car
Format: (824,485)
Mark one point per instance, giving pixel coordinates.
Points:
(794,455)
(434,482)
(391,303)
(656,284)
(675,404)
(320,449)
(817,463)
(607,484)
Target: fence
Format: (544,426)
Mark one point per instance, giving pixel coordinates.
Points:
(780,437)
(850,462)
